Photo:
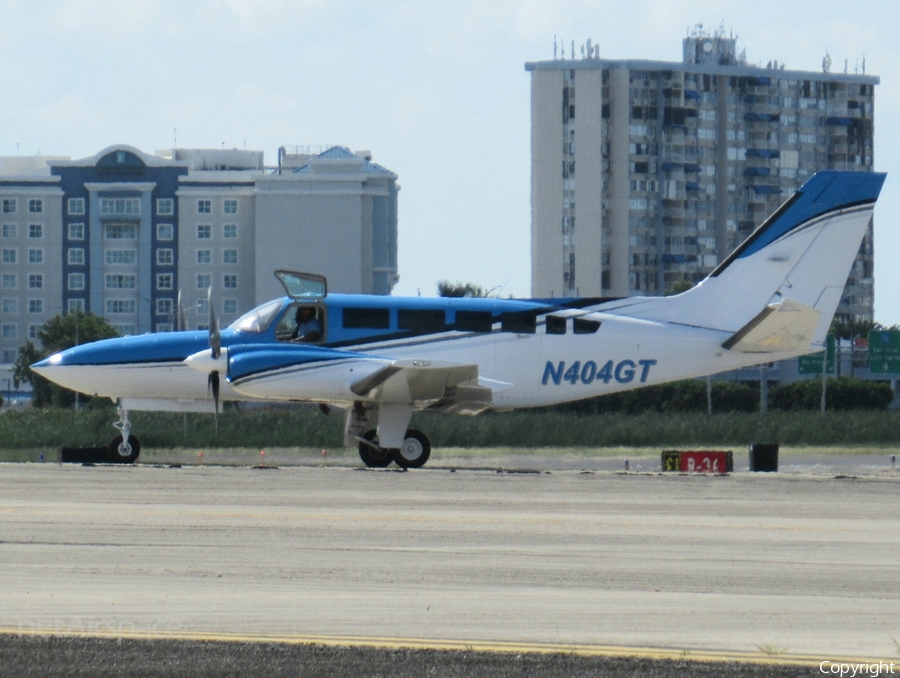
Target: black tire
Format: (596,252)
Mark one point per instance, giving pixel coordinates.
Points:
(124,453)
(372,456)
(415,451)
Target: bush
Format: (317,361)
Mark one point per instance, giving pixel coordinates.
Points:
(679,396)
(842,393)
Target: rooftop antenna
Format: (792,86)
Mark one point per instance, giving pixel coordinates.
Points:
(554,46)
(175,138)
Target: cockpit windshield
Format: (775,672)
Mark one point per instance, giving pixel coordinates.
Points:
(258,320)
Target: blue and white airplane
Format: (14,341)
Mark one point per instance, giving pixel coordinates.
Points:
(381,358)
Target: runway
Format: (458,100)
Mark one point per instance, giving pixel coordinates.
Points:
(748,565)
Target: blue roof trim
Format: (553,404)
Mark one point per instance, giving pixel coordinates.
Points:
(337,152)
(824,192)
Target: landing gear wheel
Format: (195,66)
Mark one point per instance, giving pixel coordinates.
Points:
(121,452)
(415,451)
(373,456)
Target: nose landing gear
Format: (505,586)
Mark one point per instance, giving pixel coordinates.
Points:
(124,448)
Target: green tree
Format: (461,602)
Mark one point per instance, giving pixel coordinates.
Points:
(57,334)
(458,289)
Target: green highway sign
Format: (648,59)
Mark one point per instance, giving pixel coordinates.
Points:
(812,364)
(884,351)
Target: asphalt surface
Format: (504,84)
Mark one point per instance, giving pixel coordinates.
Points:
(93,658)
(166,562)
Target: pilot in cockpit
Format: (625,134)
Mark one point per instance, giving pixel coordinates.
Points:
(309,327)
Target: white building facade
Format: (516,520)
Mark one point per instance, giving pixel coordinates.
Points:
(648,173)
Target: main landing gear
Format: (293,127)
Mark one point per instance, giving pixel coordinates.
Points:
(124,448)
(412,453)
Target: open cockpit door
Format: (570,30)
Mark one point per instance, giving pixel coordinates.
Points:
(303,286)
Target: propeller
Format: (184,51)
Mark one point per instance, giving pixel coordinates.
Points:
(212,361)
(181,319)
(215,346)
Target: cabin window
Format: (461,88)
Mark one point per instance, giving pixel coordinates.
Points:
(421,320)
(585,326)
(474,321)
(520,322)
(367,318)
(556,325)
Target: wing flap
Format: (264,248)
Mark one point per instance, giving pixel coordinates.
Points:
(785,326)
(415,381)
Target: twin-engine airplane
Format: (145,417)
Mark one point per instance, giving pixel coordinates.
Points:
(380,358)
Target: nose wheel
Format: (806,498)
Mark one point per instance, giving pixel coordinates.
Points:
(123,451)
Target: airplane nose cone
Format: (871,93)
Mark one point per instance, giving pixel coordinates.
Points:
(47,365)
(202,361)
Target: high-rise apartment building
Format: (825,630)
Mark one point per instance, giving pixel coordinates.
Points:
(648,173)
(119,234)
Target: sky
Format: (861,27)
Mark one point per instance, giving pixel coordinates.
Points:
(437,91)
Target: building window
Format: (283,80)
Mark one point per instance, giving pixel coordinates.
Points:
(165,281)
(8,256)
(121,256)
(163,327)
(35,230)
(76,231)
(75,305)
(120,206)
(35,305)
(230,206)
(204,256)
(9,205)
(165,207)
(204,207)
(76,205)
(165,256)
(9,230)
(118,281)
(35,255)
(203,306)
(120,306)
(9,306)
(34,331)
(229,256)
(165,232)
(204,280)
(229,282)
(120,231)
(229,231)
(10,331)
(125,330)
(164,307)
(8,281)
(204,231)
(229,306)
(75,281)
(36,206)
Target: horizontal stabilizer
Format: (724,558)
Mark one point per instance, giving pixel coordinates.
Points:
(785,326)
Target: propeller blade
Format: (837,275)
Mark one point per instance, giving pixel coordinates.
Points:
(215,337)
(214,387)
(181,319)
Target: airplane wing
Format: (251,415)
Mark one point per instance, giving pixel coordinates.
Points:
(785,326)
(439,385)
